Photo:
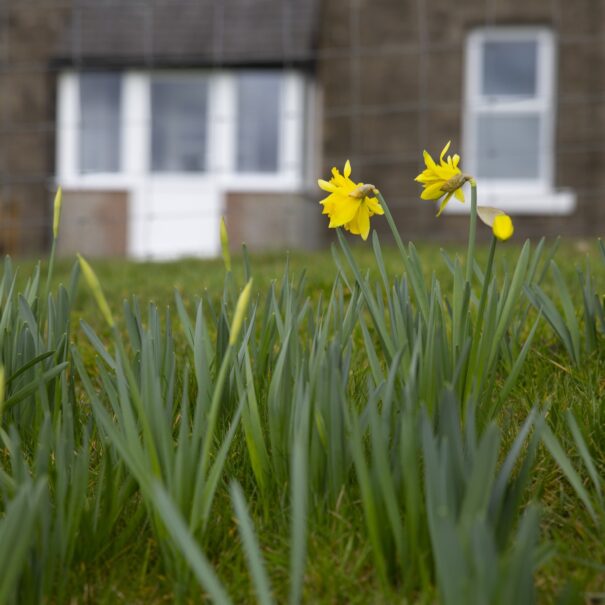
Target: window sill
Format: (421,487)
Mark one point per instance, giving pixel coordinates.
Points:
(519,201)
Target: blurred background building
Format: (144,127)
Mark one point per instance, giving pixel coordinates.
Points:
(159,116)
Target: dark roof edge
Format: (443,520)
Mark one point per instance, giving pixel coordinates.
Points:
(121,63)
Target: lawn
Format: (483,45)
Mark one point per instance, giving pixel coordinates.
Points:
(376,431)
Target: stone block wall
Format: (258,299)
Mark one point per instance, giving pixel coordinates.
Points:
(392,75)
(29,32)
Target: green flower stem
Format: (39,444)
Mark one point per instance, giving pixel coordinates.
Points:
(487,278)
(51,265)
(394,230)
(415,278)
(470,256)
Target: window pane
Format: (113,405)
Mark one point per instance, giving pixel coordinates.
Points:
(178,124)
(100,99)
(258,100)
(509,68)
(508,146)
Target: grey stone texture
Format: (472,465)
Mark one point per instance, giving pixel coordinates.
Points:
(29,34)
(390,71)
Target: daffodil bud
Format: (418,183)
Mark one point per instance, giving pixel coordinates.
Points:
(225,245)
(240,310)
(95,287)
(498,220)
(57,212)
(503,227)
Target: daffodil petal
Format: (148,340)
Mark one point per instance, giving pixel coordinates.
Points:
(446,199)
(374,205)
(347,169)
(427,177)
(432,192)
(445,172)
(459,195)
(343,212)
(353,226)
(331,198)
(337,179)
(444,150)
(326,186)
(428,160)
(363,222)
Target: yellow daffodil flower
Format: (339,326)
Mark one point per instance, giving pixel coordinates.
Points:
(349,204)
(498,220)
(442,180)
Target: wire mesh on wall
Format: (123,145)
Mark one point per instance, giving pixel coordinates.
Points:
(40,39)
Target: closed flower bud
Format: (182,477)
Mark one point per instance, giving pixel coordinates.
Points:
(240,311)
(95,287)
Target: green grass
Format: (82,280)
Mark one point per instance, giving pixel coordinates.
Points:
(156,281)
(137,558)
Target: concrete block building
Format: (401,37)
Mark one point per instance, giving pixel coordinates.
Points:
(160,116)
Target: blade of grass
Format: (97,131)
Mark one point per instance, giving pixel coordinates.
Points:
(251,546)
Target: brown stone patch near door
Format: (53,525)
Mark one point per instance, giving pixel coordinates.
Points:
(272,221)
(94,223)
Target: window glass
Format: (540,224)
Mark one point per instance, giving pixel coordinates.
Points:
(509,68)
(179,107)
(100,101)
(508,146)
(258,103)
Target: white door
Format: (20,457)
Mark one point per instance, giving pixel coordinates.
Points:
(184,217)
(177,207)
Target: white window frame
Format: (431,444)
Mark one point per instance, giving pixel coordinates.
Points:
(165,205)
(69,123)
(529,196)
(222,123)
